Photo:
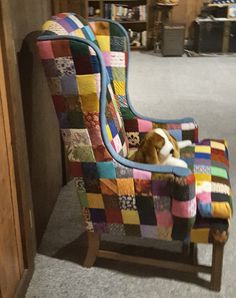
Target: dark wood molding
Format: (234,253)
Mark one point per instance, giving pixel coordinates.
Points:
(23,285)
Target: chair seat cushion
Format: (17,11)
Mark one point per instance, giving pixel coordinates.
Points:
(208,160)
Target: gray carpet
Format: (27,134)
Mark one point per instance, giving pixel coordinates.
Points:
(163,88)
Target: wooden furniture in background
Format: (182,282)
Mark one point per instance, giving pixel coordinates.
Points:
(81,7)
(163,15)
(17,241)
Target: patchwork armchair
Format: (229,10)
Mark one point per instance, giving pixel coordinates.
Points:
(86,64)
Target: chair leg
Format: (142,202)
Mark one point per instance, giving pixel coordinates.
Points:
(93,248)
(217,264)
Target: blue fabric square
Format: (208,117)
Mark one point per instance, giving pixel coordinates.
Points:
(88,33)
(63,120)
(109,70)
(122,101)
(113,128)
(202,155)
(106,170)
(97,215)
(73,25)
(205,209)
(69,85)
(176,133)
(95,64)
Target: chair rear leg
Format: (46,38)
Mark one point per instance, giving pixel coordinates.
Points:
(93,248)
(217,264)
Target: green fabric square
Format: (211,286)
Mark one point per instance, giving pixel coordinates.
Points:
(126,113)
(115,30)
(83,199)
(118,74)
(84,154)
(76,119)
(106,170)
(219,172)
(78,48)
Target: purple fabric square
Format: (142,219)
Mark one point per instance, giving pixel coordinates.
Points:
(148,231)
(100,227)
(69,85)
(160,188)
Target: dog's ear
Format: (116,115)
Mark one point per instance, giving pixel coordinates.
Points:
(172,139)
(152,147)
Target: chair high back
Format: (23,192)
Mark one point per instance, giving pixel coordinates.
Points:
(74,74)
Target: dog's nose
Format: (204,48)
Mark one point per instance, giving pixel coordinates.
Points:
(172,151)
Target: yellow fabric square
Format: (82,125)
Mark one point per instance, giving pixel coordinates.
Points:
(125,186)
(200,235)
(202,177)
(203,149)
(164,233)
(95,200)
(78,32)
(130,217)
(86,84)
(89,103)
(104,42)
(217,145)
(221,210)
(119,88)
(109,132)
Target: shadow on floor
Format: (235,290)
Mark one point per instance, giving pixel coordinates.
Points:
(76,251)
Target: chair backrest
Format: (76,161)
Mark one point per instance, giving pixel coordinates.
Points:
(74,73)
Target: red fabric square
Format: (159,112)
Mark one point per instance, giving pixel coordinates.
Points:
(59,103)
(75,169)
(113,216)
(61,48)
(131,125)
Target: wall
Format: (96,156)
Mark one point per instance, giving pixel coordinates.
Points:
(186,12)
(42,132)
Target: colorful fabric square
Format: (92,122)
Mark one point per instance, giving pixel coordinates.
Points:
(114,198)
(210,165)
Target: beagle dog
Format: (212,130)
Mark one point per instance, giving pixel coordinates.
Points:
(159,147)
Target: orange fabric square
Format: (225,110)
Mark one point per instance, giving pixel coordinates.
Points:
(125,186)
(100,28)
(108,186)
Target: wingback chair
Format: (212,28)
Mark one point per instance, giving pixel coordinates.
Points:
(86,64)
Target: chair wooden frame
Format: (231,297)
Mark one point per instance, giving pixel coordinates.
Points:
(215,269)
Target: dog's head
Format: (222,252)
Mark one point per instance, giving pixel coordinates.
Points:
(157,145)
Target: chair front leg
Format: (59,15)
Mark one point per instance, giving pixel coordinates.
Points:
(93,248)
(217,264)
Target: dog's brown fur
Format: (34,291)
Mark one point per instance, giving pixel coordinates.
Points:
(149,148)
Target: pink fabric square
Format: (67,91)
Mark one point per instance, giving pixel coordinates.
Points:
(144,125)
(204,197)
(117,143)
(184,209)
(107,58)
(173,126)
(164,219)
(45,50)
(139,174)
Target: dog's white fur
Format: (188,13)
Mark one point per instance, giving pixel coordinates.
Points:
(165,152)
